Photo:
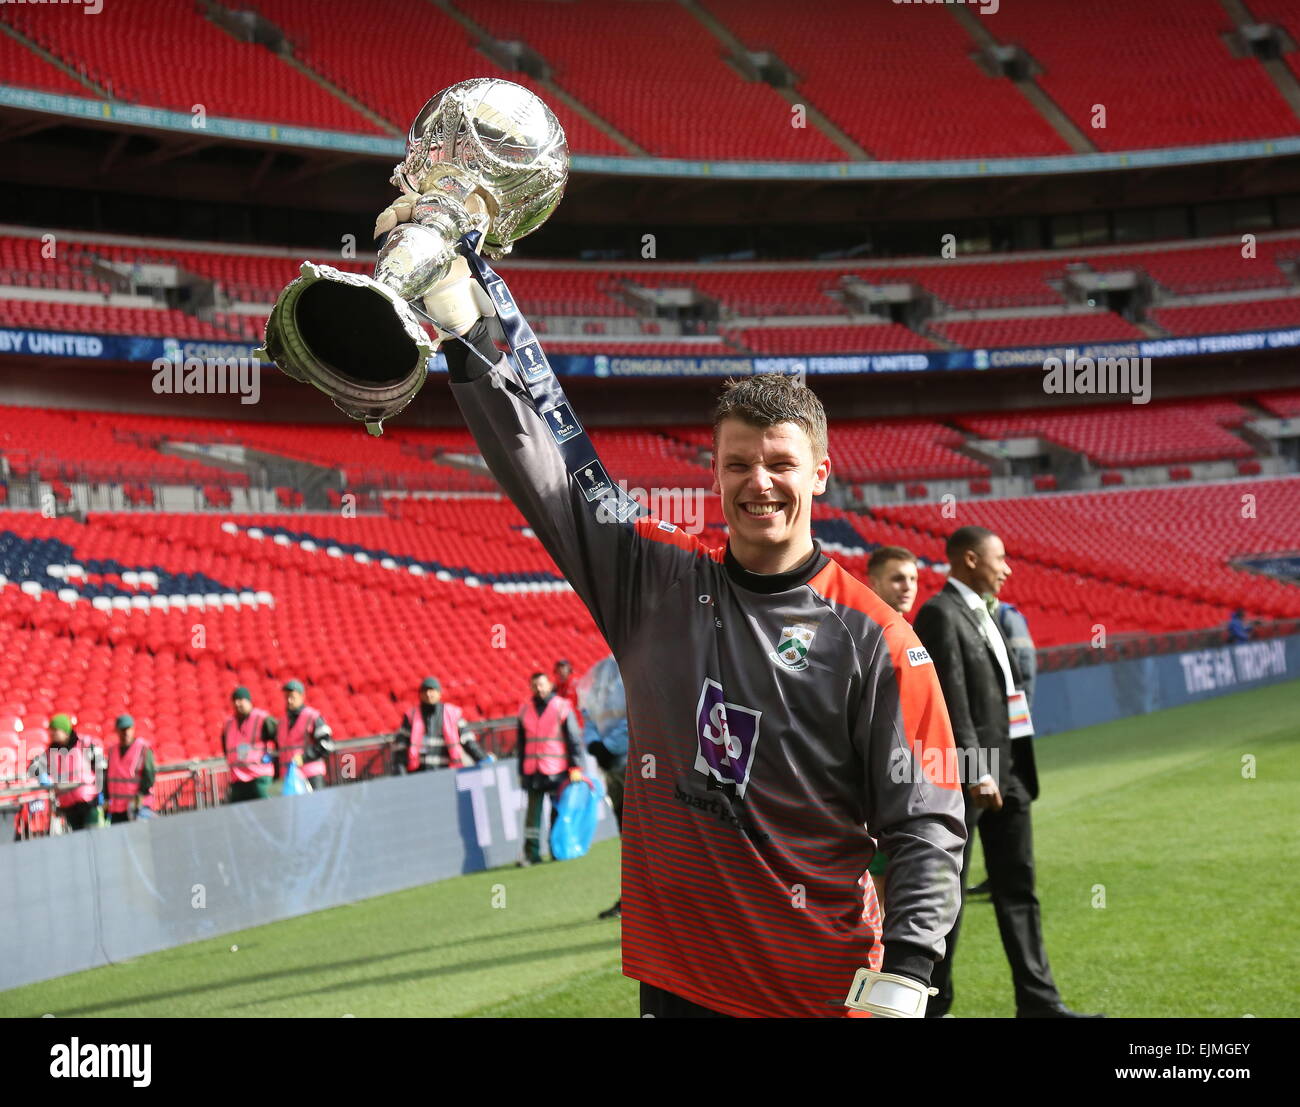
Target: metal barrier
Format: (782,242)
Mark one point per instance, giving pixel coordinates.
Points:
(1127,647)
(199,785)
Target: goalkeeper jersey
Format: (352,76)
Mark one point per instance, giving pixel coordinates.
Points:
(776,725)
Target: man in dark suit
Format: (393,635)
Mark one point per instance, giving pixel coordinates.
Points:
(990,723)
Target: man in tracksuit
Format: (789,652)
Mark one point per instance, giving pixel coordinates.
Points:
(780,714)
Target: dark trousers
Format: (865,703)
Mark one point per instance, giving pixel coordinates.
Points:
(116,817)
(658,1004)
(533,823)
(77,815)
(1007,838)
(241,790)
(615,782)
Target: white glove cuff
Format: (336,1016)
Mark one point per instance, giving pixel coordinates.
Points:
(888,995)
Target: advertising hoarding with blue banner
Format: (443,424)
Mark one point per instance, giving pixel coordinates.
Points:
(116,347)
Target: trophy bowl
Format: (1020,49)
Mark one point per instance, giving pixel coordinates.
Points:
(483,155)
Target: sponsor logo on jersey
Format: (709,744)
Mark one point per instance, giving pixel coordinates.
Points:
(792,647)
(593,479)
(561,423)
(532,362)
(501,297)
(665,525)
(918,655)
(728,736)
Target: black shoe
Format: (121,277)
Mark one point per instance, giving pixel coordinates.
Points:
(1056,1011)
(982,889)
(615,912)
(524,863)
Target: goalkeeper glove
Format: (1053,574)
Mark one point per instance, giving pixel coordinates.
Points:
(888,995)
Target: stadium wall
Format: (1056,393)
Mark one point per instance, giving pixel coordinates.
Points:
(1072,698)
(98,897)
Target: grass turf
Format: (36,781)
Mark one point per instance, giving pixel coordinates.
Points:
(1160,865)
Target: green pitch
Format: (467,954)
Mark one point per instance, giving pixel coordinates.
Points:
(1162,867)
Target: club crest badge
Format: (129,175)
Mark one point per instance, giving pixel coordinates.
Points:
(792,647)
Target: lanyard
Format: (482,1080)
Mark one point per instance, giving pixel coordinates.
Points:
(608,500)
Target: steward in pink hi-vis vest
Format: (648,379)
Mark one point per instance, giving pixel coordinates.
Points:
(124,776)
(451,717)
(544,743)
(299,737)
(74,765)
(244,746)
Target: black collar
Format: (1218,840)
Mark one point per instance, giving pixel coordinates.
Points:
(771,583)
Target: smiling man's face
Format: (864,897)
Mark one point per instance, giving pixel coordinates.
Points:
(767,478)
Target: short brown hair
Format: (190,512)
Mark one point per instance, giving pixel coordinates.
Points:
(770,398)
(886,554)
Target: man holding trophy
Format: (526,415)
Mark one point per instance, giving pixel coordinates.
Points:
(780,714)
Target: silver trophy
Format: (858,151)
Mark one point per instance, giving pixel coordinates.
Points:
(484,155)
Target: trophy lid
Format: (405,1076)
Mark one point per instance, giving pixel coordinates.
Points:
(506,139)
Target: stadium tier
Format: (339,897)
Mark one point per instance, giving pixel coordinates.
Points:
(106,615)
(168,55)
(1036,330)
(971,285)
(341,42)
(898,449)
(94,446)
(58,315)
(119,448)
(1284,404)
(1198,269)
(1173,544)
(656,73)
(650,459)
(664,75)
(783,290)
(1239,315)
(927,97)
(126,448)
(595,309)
(329,620)
(253,277)
(562,291)
(38,263)
(1148,434)
(1153,95)
(27,69)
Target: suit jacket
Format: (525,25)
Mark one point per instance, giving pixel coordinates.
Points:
(974,688)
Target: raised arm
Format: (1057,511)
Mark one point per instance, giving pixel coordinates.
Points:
(617,558)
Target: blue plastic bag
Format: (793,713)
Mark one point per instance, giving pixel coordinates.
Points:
(295,784)
(576,812)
